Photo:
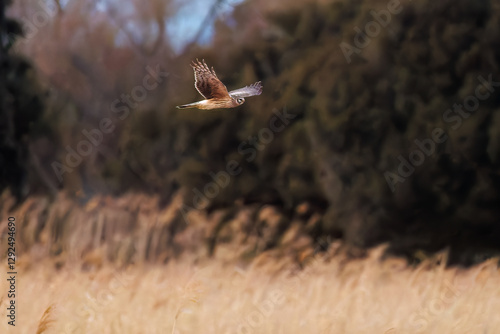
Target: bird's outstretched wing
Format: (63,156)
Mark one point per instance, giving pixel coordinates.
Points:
(254,89)
(207,83)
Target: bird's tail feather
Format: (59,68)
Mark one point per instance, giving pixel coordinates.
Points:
(187,106)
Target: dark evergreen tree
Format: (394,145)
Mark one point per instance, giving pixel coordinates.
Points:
(20,107)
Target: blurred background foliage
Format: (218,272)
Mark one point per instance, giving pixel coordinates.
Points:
(353,117)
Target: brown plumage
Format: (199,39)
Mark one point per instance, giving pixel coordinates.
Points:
(215,92)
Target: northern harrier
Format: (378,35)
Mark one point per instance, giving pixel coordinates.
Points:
(215,92)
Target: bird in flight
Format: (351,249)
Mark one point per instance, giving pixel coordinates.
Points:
(215,92)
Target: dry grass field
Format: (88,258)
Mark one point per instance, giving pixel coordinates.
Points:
(337,295)
(125,265)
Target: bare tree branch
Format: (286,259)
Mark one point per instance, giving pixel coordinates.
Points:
(209,18)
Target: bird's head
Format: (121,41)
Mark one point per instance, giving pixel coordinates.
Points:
(240,101)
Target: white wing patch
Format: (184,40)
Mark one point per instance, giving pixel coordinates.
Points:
(252,90)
